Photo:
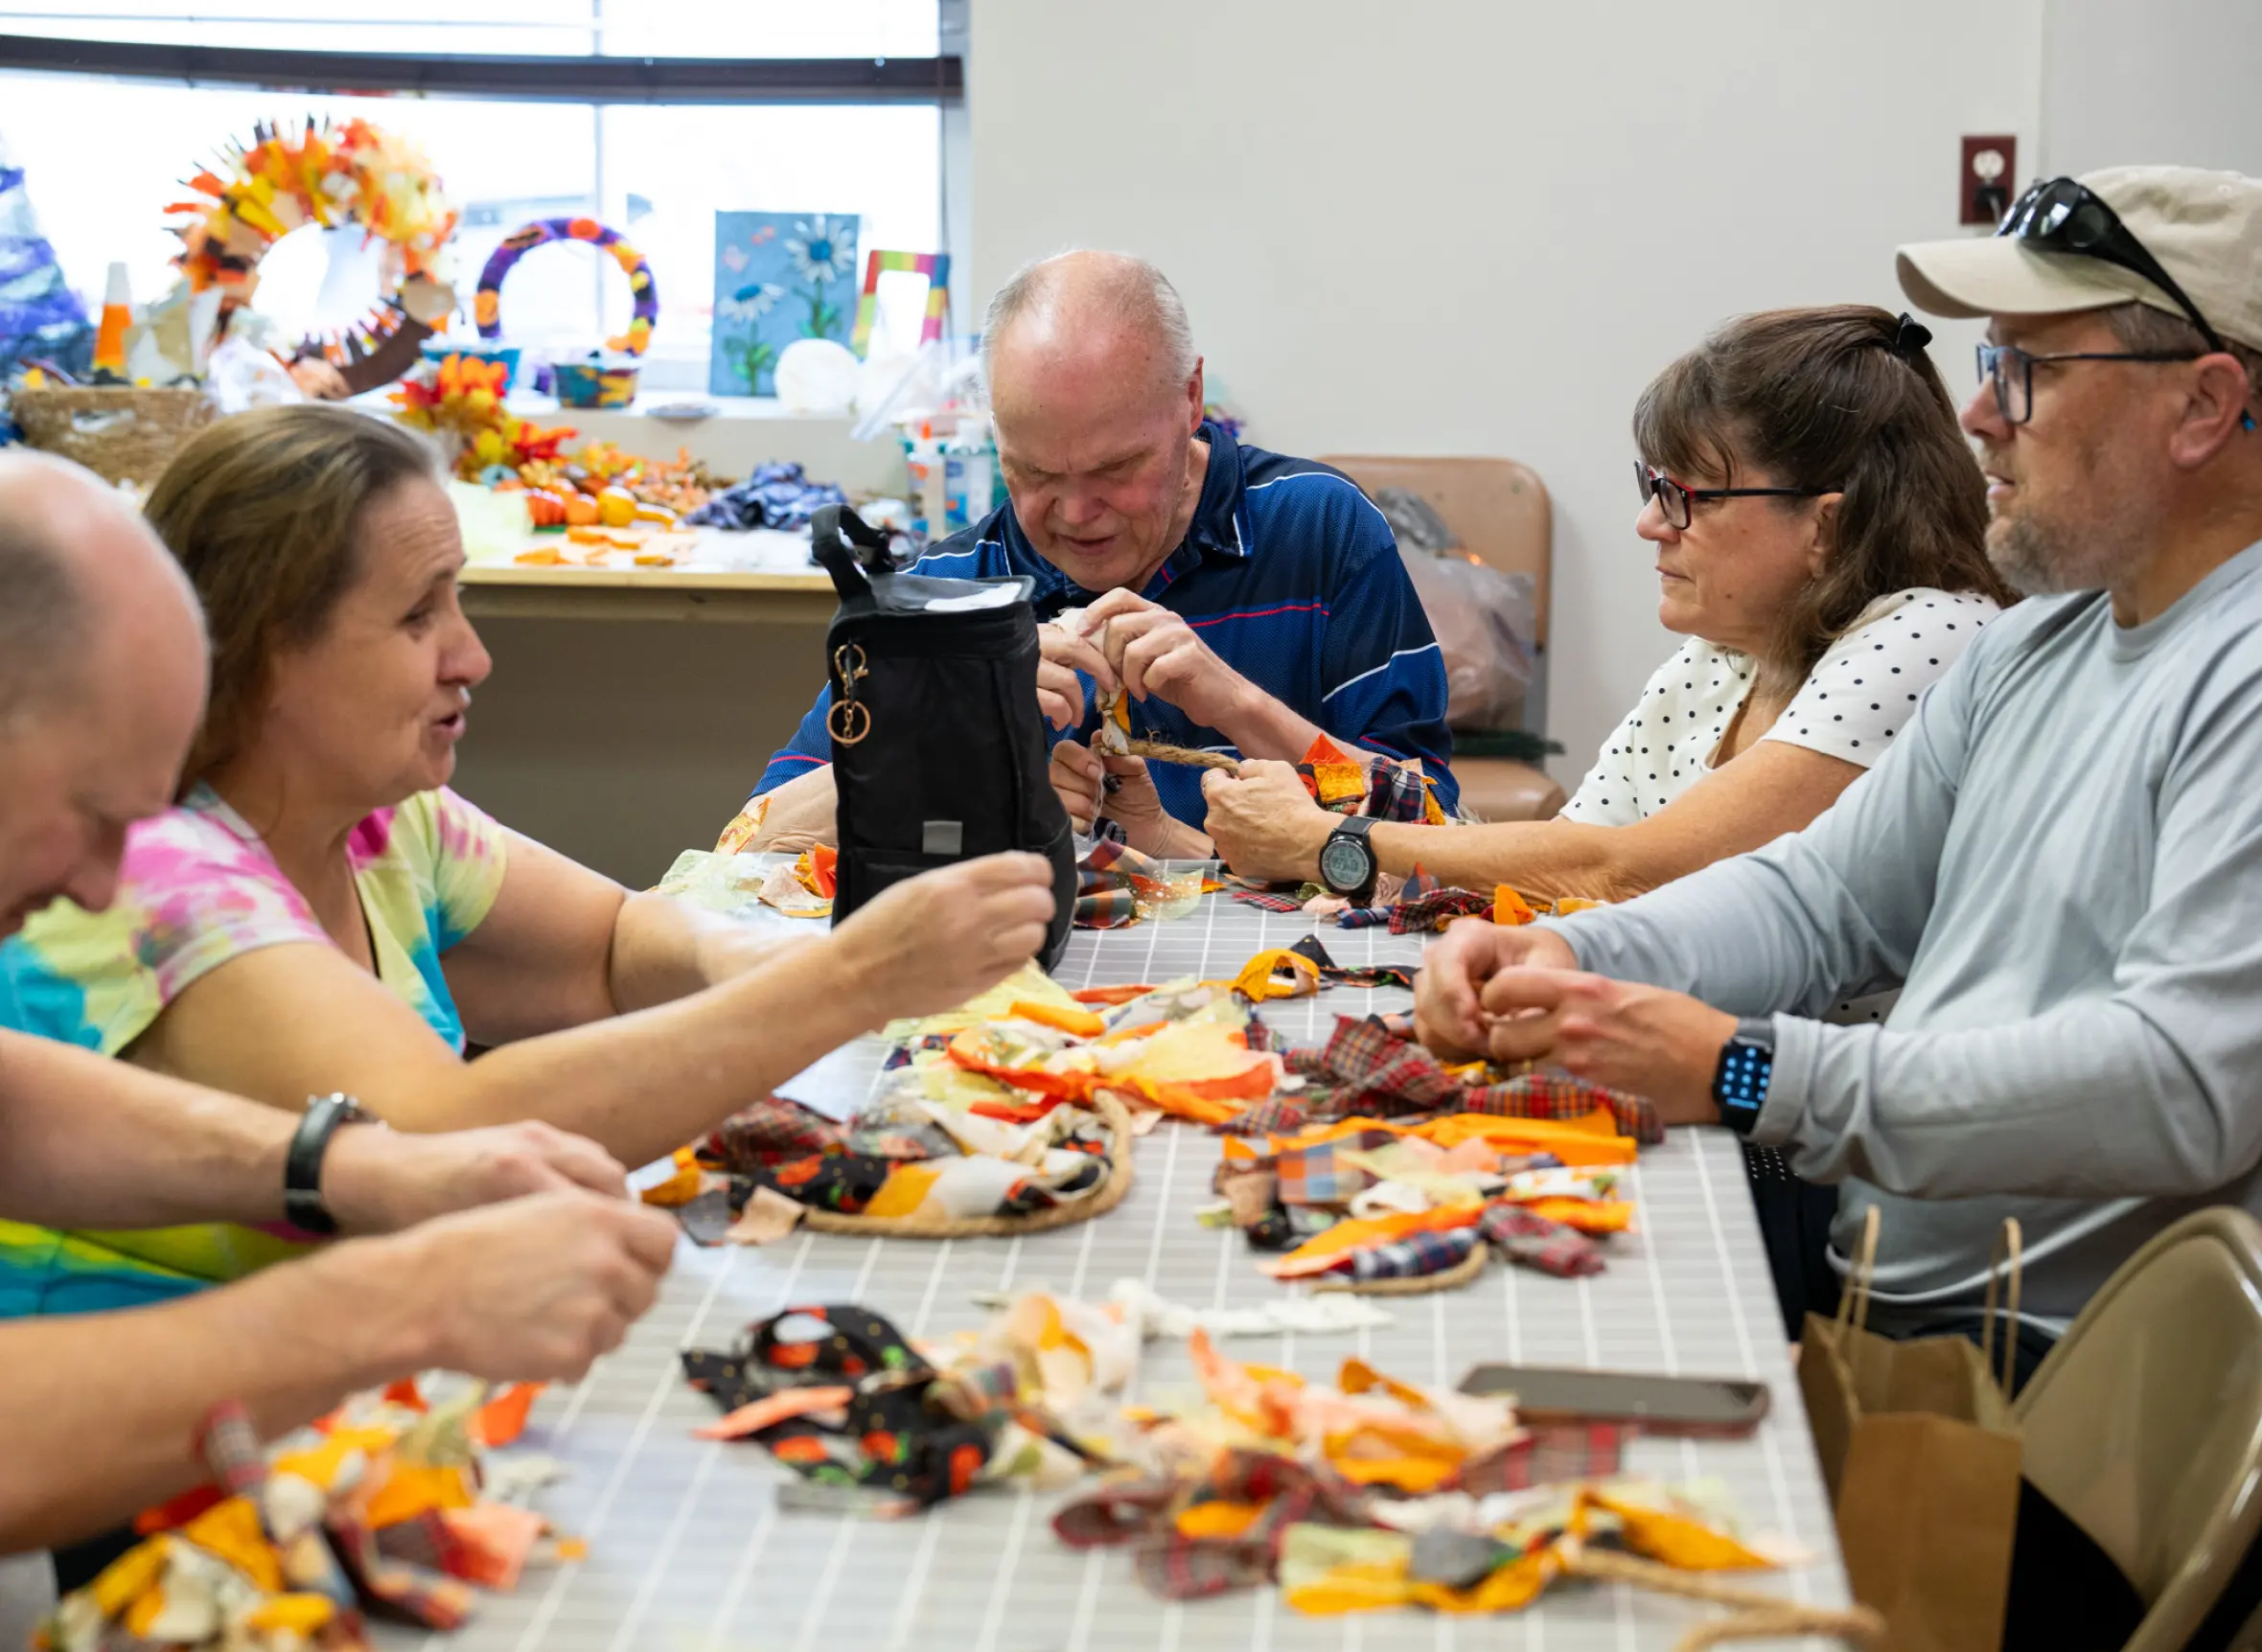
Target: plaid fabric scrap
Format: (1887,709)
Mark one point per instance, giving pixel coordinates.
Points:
(1145,1513)
(1371,1070)
(1414,1255)
(1535,1242)
(1270,899)
(1317,1175)
(1282,1115)
(771,1131)
(1395,792)
(1107,908)
(1550,1453)
(1435,910)
(1372,1065)
(1549,1092)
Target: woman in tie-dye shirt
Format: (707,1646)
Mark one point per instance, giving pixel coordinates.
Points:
(319,912)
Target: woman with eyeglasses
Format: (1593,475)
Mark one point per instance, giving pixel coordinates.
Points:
(1818,522)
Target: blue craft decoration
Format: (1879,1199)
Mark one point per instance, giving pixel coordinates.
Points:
(41,316)
(779,276)
(773,497)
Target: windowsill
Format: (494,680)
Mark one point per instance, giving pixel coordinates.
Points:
(727,408)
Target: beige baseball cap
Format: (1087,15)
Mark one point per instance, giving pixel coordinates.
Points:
(2203,228)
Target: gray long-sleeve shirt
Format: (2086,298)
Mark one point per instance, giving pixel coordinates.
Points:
(2062,861)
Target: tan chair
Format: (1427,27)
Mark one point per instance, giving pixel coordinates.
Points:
(2144,1425)
(1499,509)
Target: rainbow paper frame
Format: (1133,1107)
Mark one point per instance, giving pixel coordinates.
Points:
(935,266)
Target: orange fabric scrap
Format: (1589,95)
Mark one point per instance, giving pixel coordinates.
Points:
(1077,1023)
(1110,996)
(502,1419)
(777,1408)
(680,1188)
(1509,907)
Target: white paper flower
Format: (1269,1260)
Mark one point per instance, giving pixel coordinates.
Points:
(750,304)
(821,248)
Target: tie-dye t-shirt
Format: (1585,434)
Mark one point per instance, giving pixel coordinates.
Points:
(197,889)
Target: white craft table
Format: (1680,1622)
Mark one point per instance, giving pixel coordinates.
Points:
(689,1554)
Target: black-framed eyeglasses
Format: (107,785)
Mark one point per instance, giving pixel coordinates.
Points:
(2011,371)
(1677,499)
(2063,214)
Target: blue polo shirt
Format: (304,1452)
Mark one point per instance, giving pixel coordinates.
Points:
(1293,579)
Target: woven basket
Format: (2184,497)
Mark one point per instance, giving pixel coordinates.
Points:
(121,432)
(1421,1285)
(1118,1183)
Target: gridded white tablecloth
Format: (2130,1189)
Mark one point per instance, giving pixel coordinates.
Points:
(689,1554)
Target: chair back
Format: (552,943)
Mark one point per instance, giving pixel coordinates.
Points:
(2144,1425)
(1497,508)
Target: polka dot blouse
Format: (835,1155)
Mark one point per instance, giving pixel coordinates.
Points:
(1855,700)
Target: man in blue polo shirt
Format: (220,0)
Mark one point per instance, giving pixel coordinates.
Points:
(1245,602)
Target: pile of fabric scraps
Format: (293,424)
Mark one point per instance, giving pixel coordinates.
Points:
(838,1395)
(1386,788)
(1420,906)
(1374,1493)
(1192,1049)
(922,1150)
(1117,886)
(1367,1200)
(803,887)
(773,497)
(1299,970)
(1373,1066)
(388,1507)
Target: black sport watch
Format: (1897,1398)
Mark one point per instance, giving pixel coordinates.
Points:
(1747,1062)
(302,1166)
(1348,865)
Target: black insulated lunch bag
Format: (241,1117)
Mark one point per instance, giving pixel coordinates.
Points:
(939,752)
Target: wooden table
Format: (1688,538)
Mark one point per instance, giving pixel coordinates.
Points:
(689,1551)
(762,575)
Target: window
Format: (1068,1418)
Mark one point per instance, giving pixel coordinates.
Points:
(657,170)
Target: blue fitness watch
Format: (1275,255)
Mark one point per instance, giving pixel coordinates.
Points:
(1740,1084)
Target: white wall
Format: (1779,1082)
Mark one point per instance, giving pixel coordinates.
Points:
(1479,227)
(2173,80)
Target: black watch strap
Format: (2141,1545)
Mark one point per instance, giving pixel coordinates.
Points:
(302,1165)
(1359,827)
(1746,1068)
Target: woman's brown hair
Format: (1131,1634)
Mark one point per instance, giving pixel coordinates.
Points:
(263,510)
(1824,400)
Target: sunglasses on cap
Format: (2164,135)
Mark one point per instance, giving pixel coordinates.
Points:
(2063,214)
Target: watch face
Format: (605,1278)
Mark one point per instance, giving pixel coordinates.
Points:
(1345,864)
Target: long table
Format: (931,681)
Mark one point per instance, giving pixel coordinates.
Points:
(689,1553)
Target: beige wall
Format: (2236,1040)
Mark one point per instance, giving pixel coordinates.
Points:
(1479,227)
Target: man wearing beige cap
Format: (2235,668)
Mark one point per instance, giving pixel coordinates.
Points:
(2062,860)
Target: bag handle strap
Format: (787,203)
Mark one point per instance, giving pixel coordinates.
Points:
(848,548)
(2007,1239)
(1853,1310)
(1854,1300)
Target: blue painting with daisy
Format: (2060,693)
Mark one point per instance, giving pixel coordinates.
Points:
(779,276)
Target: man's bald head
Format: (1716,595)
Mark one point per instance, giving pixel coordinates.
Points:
(102,682)
(1080,303)
(77,565)
(1097,394)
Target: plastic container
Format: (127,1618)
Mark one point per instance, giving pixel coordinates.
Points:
(596,383)
(440,349)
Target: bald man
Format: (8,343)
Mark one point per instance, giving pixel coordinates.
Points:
(1246,602)
(102,685)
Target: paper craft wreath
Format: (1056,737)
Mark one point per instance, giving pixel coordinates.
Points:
(487,304)
(331,176)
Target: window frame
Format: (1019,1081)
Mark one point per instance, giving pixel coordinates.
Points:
(940,81)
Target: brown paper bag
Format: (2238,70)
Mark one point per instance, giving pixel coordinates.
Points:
(1922,1458)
